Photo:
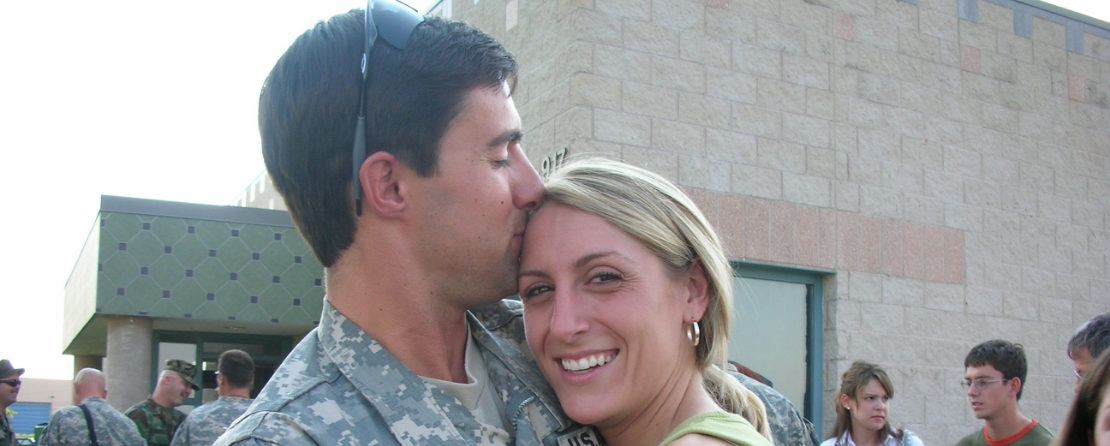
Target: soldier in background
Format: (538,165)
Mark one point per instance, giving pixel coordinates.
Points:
(9,392)
(91,420)
(234,380)
(157,417)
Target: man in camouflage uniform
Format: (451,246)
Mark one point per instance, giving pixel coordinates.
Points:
(415,345)
(419,236)
(234,380)
(9,393)
(157,417)
(69,425)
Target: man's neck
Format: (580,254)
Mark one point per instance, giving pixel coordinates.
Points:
(1007,425)
(411,323)
(241,392)
(161,401)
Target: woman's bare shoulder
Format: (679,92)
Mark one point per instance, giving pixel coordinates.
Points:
(700,440)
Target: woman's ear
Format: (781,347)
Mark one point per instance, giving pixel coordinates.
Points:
(697,289)
(844,401)
(382,175)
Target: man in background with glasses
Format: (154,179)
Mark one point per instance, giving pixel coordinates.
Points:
(1090,340)
(995,379)
(395,143)
(9,393)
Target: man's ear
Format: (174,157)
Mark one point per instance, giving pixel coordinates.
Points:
(1015,386)
(381,177)
(697,289)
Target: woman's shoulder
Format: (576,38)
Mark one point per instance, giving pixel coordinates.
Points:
(700,440)
(722,428)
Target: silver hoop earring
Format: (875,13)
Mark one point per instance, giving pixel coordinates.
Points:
(693,333)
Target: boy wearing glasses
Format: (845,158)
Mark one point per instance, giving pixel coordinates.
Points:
(9,392)
(995,377)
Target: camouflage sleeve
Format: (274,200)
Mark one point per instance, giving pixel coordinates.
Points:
(788,427)
(181,437)
(52,435)
(141,422)
(265,428)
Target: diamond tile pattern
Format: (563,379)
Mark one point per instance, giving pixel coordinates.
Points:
(275,276)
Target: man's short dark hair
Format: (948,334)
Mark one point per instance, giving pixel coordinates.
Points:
(1093,335)
(308,108)
(237,367)
(1004,356)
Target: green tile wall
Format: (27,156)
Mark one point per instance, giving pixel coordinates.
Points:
(202,269)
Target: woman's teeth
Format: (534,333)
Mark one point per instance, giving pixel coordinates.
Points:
(586,363)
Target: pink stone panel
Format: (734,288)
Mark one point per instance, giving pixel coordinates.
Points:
(892,247)
(757,220)
(847,240)
(844,26)
(709,203)
(826,226)
(913,250)
(731,228)
(954,256)
(1077,89)
(934,254)
(870,244)
(807,236)
(781,247)
(969,59)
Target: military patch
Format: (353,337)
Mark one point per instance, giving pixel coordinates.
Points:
(584,436)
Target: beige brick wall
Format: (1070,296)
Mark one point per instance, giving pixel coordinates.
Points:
(952,175)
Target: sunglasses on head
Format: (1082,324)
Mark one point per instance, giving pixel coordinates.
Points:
(12,382)
(394,23)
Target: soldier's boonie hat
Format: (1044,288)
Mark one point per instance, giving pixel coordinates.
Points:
(187,370)
(7,370)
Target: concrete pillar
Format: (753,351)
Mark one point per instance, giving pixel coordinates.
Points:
(87,362)
(127,366)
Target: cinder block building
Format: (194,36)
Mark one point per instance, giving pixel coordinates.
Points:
(898,180)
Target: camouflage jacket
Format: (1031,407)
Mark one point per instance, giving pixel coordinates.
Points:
(206,423)
(7,436)
(340,387)
(68,426)
(788,427)
(156,423)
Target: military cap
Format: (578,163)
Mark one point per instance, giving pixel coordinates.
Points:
(186,369)
(7,370)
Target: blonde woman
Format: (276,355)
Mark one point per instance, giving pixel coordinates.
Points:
(627,298)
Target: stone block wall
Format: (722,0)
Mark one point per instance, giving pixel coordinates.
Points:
(946,161)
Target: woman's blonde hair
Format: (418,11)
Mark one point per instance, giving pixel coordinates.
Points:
(664,219)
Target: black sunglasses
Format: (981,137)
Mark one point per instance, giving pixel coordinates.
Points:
(394,22)
(12,382)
